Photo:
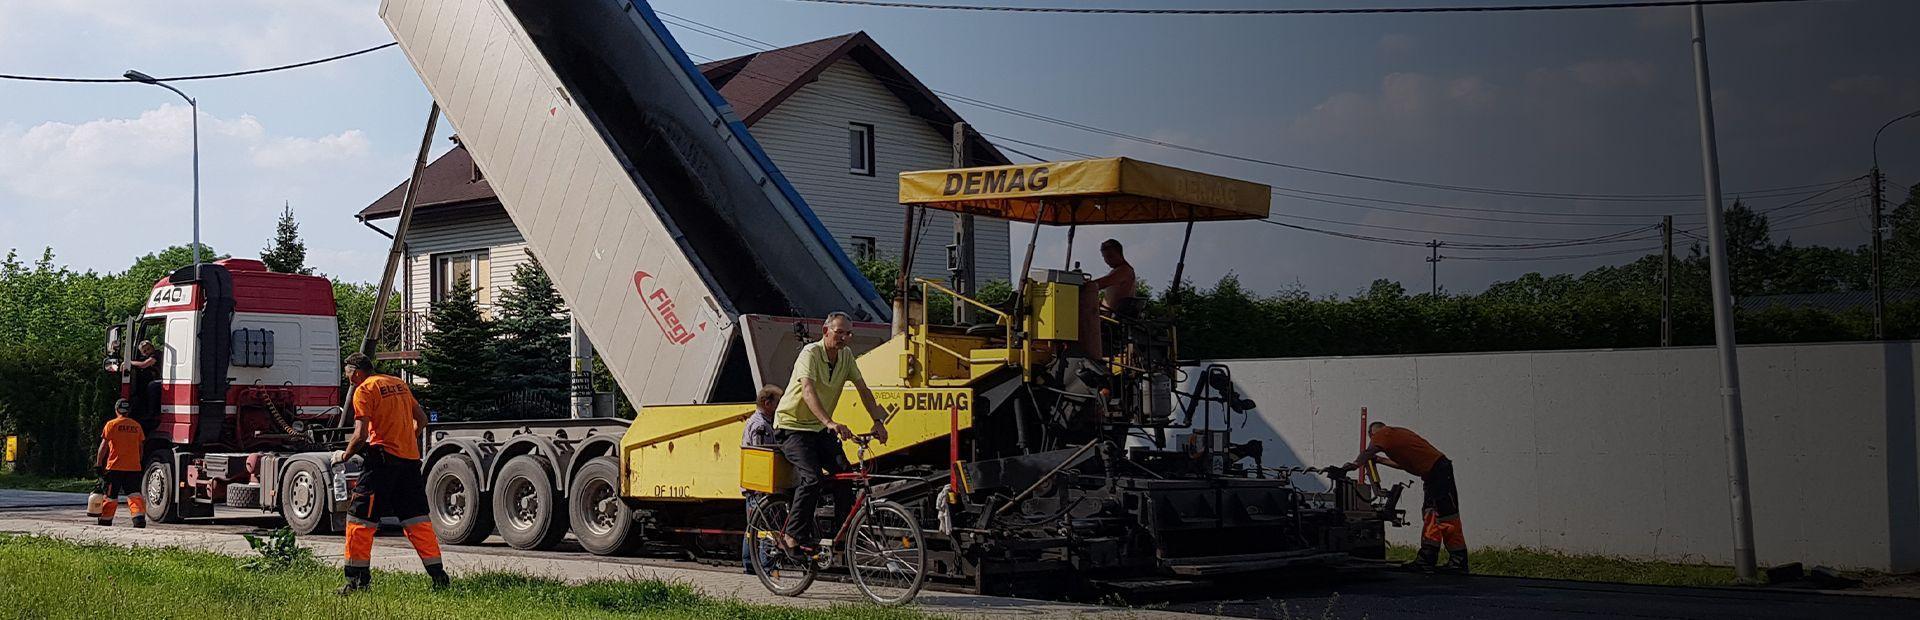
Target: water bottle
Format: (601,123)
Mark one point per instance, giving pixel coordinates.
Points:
(339,482)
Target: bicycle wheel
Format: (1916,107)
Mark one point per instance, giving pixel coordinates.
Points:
(886,553)
(782,575)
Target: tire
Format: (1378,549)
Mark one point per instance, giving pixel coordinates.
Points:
(243,496)
(886,553)
(163,496)
(781,575)
(460,511)
(306,498)
(599,518)
(526,505)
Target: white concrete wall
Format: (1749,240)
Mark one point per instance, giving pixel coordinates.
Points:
(1622,452)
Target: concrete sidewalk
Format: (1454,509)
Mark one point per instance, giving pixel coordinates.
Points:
(68,522)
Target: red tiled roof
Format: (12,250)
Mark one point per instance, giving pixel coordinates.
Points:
(753,84)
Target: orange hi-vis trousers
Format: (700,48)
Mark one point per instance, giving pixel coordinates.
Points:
(419,532)
(1442,531)
(1440,514)
(136,504)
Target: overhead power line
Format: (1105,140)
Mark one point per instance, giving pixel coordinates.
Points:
(1293,11)
(763,46)
(205,76)
(1528,259)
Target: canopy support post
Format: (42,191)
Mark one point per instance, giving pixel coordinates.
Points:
(1180,268)
(1068,262)
(900,281)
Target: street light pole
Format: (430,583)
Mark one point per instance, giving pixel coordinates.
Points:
(193,108)
(1879,200)
(1743,555)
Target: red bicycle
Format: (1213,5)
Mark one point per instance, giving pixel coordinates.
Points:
(880,543)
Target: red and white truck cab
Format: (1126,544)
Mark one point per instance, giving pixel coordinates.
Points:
(248,370)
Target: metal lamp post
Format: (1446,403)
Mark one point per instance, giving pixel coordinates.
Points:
(1879,288)
(194,109)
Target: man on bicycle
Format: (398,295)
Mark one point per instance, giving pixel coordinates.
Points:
(809,438)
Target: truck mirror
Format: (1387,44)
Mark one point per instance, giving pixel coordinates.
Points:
(113,341)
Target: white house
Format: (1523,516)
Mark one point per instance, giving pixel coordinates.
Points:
(840,117)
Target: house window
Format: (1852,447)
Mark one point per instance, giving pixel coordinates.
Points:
(860,148)
(469,266)
(864,248)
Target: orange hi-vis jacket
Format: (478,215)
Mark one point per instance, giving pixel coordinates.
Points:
(386,404)
(123,437)
(1408,449)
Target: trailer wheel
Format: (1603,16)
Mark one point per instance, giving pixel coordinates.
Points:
(601,520)
(461,513)
(526,505)
(163,496)
(305,498)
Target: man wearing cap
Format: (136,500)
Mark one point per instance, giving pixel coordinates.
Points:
(386,436)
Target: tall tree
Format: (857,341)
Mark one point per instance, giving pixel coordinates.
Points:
(457,358)
(532,350)
(287,253)
(1902,247)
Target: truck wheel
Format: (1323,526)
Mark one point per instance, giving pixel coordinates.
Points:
(461,513)
(163,496)
(602,521)
(526,505)
(305,498)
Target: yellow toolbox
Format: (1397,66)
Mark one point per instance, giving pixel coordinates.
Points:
(764,470)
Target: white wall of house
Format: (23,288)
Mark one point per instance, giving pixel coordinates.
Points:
(807,137)
(483,229)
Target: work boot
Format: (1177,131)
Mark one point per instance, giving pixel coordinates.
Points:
(358,578)
(140,522)
(1423,561)
(439,575)
(1456,562)
(103,522)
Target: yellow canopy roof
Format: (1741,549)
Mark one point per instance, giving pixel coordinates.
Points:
(1115,190)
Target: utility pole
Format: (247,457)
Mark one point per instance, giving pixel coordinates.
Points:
(1879,289)
(964,279)
(1743,555)
(1433,263)
(1666,284)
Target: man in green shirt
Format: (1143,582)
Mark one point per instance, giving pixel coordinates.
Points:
(809,437)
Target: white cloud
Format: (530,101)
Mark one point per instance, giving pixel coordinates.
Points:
(104,190)
(292,152)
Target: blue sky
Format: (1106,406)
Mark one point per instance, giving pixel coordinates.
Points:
(1570,102)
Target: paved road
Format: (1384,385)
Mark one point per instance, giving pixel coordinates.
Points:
(1386,595)
(1377,595)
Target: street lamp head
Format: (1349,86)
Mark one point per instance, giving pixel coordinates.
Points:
(139,77)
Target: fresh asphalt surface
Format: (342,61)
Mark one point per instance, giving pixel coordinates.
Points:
(1378,595)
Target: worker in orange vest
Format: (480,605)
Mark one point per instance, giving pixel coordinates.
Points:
(1404,449)
(386,435)
(118,461)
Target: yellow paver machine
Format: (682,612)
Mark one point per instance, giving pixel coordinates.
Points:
(1048,444)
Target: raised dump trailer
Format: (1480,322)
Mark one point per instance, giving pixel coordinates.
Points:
(658,216)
